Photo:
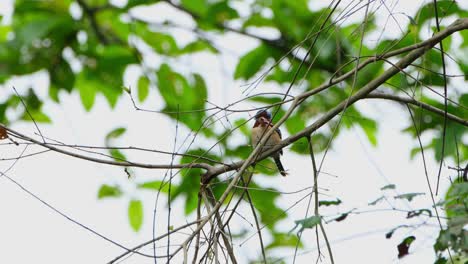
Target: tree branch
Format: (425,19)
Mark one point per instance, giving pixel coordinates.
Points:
(109,162)
(407,100)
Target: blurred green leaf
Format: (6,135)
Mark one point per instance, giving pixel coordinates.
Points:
(87,91)
(37,116)
(265,202)
(257,20)
(115,153)
(135,214)
(143,88)
(408,196)
(198,46)
(328,203)
(108,191)
(220,12)
(199,7)
(156,186)
(115,133)
(309,222)
(388,187)
(377,200)
(252,62)
(284,240)
(175,88)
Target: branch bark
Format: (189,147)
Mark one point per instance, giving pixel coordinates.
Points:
(428,107)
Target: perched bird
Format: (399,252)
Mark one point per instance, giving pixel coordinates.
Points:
(261,127)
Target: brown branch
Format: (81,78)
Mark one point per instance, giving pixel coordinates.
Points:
(109,162)
(316,207)
(134,249)
(407,100)
(211,202)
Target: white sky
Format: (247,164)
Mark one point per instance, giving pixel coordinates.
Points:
(30,232)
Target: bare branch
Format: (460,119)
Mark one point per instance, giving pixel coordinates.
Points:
(407,100)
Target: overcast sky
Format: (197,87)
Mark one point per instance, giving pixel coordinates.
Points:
(31,232)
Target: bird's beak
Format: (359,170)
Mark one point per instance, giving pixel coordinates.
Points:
(263,120)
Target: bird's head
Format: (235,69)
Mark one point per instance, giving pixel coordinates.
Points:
(263,117)
(263,113)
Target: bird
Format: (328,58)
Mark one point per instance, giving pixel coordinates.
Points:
(261,127)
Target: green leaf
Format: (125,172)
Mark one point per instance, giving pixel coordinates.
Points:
(135,214)
(180,94)
(115,133)
(309,222)
(414,213)
(117,155)
(295,123)
(133,3)
(143,88)
(284,240)
(408,196)
(198,46)
(265,202)
(87,92)
(199,7)
(220,12)
(252,62)
(62,76)
(108,191)
(191,203)
(243,126)
(328,203)
(38,117)
(161,43)
(156,186)
(257,20)
(377,200)
(389,186)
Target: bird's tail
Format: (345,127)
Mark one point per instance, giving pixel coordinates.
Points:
(280,166)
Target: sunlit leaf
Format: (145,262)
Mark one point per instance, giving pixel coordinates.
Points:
(115,133)
(143,88)
(135,214)
(108,191)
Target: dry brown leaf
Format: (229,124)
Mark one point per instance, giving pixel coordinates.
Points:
(3,133)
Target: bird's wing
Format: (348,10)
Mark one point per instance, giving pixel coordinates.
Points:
(277,130)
